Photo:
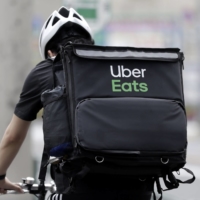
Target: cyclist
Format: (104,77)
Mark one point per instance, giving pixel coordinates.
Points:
(62,26)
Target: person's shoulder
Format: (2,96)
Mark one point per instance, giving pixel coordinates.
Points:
(41,71)
(43,64)
(43,67)
(46,65)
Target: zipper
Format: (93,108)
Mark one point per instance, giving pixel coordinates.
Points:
(71,98)
(68,81)
(123,154)
(128,154)
(182,58)
(70,84)
(142,98)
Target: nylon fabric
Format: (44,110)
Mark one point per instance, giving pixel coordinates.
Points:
(125,111)
(56,134)
(106,123)
(163,79)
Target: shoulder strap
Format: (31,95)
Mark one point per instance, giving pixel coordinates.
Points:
(173,182)
(159,189)
(43,166)
(45,156)
(189,180)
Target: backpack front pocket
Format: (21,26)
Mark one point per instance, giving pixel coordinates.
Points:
(118,125)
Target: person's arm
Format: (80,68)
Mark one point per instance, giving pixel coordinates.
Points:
(9,147)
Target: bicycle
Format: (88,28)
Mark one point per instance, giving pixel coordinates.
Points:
(39,190)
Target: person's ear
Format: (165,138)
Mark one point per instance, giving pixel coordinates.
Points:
(50,53)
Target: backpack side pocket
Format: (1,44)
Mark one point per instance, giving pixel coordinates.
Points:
(57,137)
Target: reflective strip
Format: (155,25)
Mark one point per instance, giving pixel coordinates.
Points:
(128,53)
(55,197)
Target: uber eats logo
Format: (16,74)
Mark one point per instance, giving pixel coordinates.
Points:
(118,85)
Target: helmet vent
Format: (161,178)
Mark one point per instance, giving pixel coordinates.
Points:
(75,15)
(55,20)
(64,12)
(48,22)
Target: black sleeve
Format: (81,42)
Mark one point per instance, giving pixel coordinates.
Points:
(38,80)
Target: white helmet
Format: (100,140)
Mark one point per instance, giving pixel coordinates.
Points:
(56,20)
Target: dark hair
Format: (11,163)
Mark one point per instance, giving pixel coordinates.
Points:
(68,33)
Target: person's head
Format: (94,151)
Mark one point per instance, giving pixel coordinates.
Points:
(61,27)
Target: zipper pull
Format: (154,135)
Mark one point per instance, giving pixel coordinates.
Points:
(182,59)
(68,58)
(62,52)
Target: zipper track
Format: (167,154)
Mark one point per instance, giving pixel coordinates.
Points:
(142,98)
(70,87)
(134,153)
(71,99)
(68,82)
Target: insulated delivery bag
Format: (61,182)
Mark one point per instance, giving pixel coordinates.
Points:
(123,111)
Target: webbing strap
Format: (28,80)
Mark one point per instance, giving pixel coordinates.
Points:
(75,171)
(43,166)
(154,195)
(173,182)
(45,156)
(159,189)
(189,180)
(55,67)
(76,174)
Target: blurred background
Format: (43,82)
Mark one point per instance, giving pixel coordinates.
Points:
(139,23)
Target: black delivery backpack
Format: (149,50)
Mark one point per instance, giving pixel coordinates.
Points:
(123,112)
